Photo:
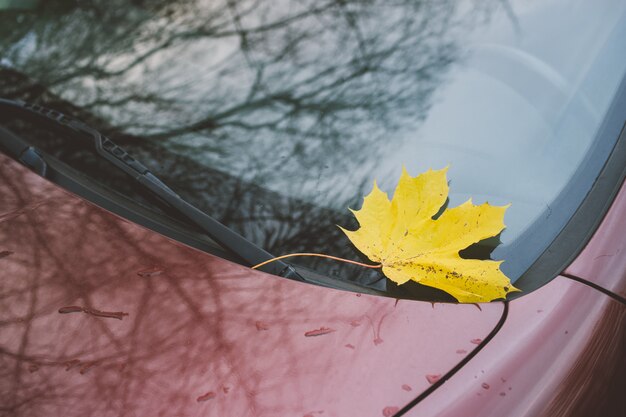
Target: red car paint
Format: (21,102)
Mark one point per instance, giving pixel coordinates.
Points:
(529,366)
(561,348)
(100,316)
(604,259)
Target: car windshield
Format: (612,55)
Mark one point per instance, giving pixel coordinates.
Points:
(276,116)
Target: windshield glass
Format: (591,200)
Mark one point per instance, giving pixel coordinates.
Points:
(276,116)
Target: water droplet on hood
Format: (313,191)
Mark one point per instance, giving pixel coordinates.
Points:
(432,378)
(205,397)
(261,326)
(319,332)
(150,272)
(390,411)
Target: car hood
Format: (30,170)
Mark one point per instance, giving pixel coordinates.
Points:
(100,316)
(603,261)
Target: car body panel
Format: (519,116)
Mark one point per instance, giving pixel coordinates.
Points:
(556,355)
(561,350)
(100,316)
(603,261)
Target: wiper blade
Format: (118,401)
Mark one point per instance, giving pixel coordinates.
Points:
(248,252)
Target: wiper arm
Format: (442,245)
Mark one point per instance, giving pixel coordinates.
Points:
(246,251)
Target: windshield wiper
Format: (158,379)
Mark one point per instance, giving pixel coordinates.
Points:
(246,251)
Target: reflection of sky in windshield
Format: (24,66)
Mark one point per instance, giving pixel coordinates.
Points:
(316,99)
(522,110)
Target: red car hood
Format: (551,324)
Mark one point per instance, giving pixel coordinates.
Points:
(100,316)
(561,350)
(603,261)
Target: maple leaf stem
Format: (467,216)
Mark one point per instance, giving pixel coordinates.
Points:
(319,255)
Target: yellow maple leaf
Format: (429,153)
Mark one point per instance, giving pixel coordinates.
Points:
(402,236)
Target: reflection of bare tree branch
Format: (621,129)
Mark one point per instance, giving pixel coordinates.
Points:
(192,318)
(286,95)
